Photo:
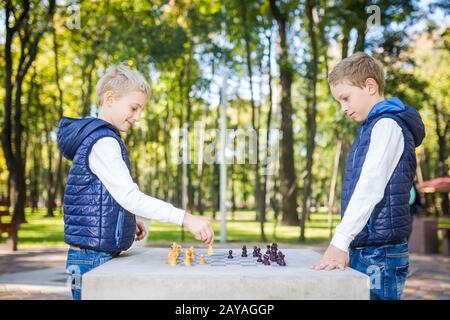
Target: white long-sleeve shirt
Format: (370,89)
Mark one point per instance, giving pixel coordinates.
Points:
(106,162)
(385,149)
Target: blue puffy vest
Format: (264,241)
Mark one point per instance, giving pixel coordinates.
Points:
(92,218)
(390,221)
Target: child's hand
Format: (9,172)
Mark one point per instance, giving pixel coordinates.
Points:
(140,231)
(333,258)
(200,227)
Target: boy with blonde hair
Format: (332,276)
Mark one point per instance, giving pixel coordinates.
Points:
(380,171)
(101,201)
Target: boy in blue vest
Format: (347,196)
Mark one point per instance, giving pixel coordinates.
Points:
(376,222)
(101,201)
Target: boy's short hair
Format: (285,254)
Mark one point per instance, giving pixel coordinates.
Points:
(356,69)
(120,79)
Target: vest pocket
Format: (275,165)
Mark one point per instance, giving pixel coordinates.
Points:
(119,226)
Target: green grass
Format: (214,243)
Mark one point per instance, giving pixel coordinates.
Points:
(245,229)
(444,222)
(41,230)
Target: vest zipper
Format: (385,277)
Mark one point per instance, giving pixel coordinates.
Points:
(370,223)
(354,154)
(369,227)
(119,228)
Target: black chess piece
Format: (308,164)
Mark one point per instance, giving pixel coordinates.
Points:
(255,251)
(279,256)
(266,261)
(281,261)
(230,254)
(259,257)
(273,252)
(272,257)
(274,248)
(268,249)
(244,251)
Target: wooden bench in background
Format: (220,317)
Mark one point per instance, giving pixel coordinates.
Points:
(10,228)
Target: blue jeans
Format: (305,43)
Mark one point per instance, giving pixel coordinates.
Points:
(387,266)
(81,261)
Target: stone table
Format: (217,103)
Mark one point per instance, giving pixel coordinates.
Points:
(143,273)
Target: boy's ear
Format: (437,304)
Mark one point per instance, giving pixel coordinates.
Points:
(108,97)
(372,85)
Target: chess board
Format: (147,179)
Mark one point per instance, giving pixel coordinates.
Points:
(220,259)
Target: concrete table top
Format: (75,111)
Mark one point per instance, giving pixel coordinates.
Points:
(143,273)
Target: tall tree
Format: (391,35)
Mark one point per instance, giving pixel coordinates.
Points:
(311,106)
(288,177)
(27,22)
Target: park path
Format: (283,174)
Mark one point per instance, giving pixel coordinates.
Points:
(38,273)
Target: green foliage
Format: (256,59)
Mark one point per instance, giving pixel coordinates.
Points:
(183,48)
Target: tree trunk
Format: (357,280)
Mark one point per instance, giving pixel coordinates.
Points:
(345,39)
(87,87)
(200,166)
(310,120)
(247,40)
(35,176)
(333,188)
(288,183)
(58,176)
(190,193)
(442,169)
(361,39)
(268,125)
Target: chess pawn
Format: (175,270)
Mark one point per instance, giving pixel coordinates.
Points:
(172,262)
(171,259)
(282,262)
(268,249)
(202,259)
(210,250)
(259,257)
(279,255)
(244,251)
(187,261)
(230,254)
(255,251)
